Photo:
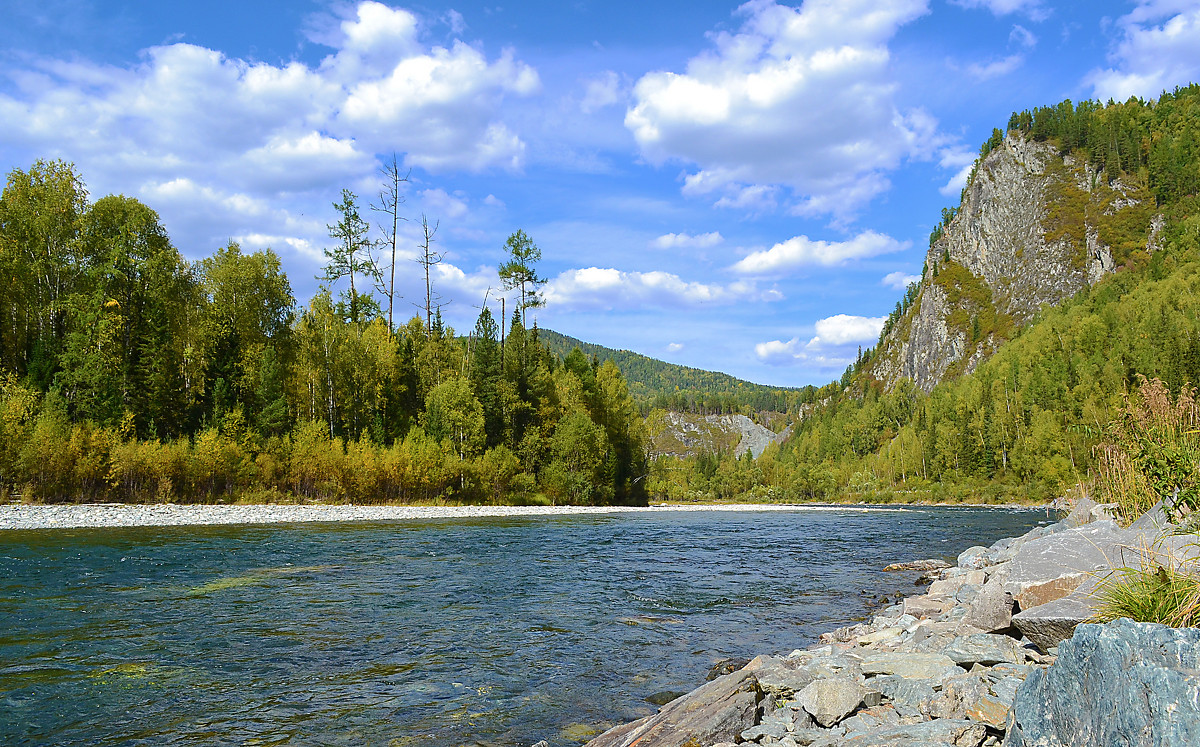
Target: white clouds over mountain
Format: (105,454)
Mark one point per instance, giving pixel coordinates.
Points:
(607,288)
(1159,48)
(801,97)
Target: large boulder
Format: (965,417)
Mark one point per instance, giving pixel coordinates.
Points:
(1122,683)
(985,649)
(716,712)
(829,701)
(1053,566)
(943,732)
(917,666)
(1051,623)
(992,609)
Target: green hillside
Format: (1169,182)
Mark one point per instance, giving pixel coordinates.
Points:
(1027,422)
(654,383)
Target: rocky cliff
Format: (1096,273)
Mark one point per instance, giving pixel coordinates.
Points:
(1034,227)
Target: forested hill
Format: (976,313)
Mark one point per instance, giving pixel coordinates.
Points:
(977,392)
(669,386)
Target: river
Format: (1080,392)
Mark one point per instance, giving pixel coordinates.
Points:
(499,632)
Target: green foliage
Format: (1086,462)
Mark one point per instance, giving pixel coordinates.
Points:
(130,375)
(1157,594)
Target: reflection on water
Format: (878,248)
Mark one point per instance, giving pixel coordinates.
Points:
(501,631)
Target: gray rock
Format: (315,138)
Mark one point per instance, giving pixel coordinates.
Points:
(940,733)
(910,665)
(1051,623)
(774,730)
(829,701)
(1052,567)
(984,648)
(972,558)
(872,718)
(783,677)
(718,711)
(1005,689)
(1124,683)
(908,697)
(992,608)
(958,695)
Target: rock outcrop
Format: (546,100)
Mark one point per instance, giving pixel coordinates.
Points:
(683,434)
(1123,683)
(1027,233)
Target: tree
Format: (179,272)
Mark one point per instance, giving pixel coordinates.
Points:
(352,256)
(486,376)
(390,200)
(519,272)
(428,260)
(453,413)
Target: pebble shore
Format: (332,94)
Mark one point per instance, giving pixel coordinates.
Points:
(93,515)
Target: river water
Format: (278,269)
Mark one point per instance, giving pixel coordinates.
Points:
(497,632)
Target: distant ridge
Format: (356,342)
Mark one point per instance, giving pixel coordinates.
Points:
(656,383)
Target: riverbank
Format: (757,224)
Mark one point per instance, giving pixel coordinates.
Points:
(95,515)
(969,663)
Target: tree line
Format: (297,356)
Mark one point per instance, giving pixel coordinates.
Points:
(128,373)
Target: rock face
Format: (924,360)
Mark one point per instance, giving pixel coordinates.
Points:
(1123,683)
(1002,257)
(681,434)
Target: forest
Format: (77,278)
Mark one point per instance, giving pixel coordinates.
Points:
(1026,424)
(130,374)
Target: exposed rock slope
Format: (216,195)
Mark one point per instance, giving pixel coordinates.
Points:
(1034,228)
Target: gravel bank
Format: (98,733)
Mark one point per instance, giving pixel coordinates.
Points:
(75,516)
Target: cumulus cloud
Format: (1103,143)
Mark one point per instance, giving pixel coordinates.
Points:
(822,350)
(439,203)
(675,347)
(800,251)
(608,288)
(899,280)
(236,127)
(687,241)
(795,97)
(1159,48)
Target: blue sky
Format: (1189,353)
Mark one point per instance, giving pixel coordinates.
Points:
(743,188)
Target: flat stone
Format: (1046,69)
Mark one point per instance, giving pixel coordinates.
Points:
(984,648)
(872,718)
(718,711)
(1123,683)
(933,564)
(988,710)
(910,665)
(908,697)
(879,636)
(958,694)
(926,606)
(939,733)
(829,701)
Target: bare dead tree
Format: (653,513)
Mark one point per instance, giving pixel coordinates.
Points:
(428,260)
(391,197)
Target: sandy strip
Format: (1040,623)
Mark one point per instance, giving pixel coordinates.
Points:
(75,516)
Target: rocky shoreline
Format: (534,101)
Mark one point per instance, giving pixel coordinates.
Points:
(94,515)
(996,652)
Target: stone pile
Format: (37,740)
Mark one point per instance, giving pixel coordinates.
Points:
(941,668)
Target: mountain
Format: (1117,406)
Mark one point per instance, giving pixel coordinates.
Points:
(655,383)
(1035,226)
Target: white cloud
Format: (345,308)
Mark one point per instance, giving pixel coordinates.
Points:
(1034,9)
(437,203)
(687,241)
(1022,37)
(602,91)
(841,329)
(995,68)
(964,161)
(271,133)
(493,201)
(675,347)
(608,288)
(1159,49)
(796,97)
(832,332)
(801,250)
(899,280)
